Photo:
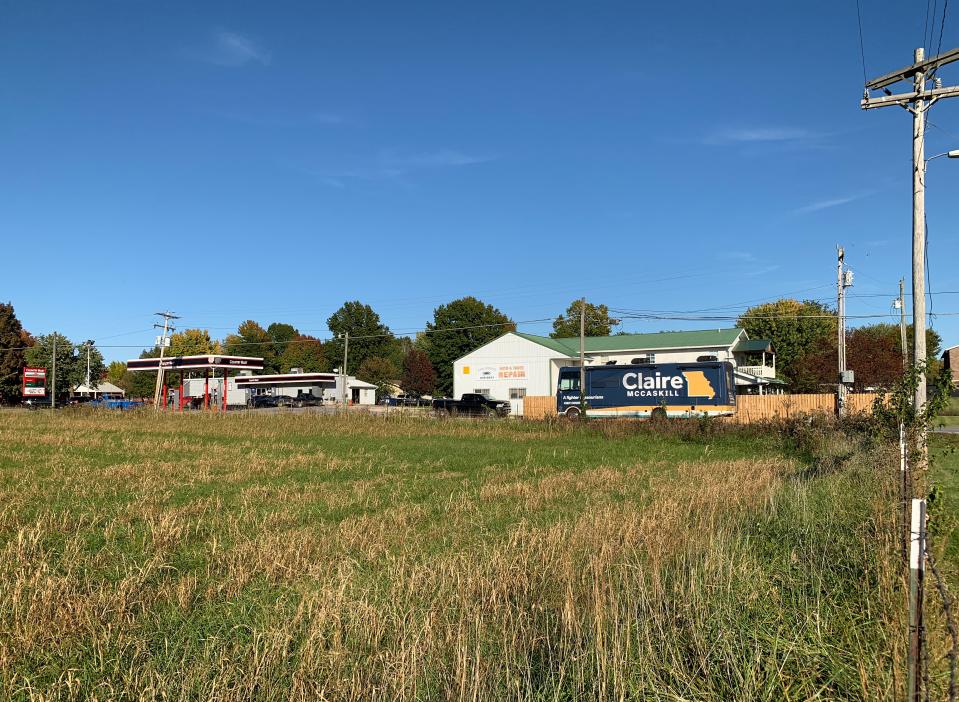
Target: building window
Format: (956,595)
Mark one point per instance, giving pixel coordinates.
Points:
(642,360)
(517,393)
(482,391)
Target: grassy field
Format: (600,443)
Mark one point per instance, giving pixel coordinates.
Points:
(354,558)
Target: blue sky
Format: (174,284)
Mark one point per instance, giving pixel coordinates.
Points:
(234,160)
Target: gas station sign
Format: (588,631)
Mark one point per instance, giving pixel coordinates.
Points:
(34,382)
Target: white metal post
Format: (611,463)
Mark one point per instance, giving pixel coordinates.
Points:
(917,560)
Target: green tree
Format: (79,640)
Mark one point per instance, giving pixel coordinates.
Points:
(598,321)
(419,376)
(251,340)
(459,327)
(382,372)
(281,334)
(71,362)
(795,328)
(12,358)
(140,384)
(192,342)
(115,372)
(369,337)
(304,352)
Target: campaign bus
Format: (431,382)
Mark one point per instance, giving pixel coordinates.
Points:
(676,389)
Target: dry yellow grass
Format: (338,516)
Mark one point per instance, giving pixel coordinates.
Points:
(297,557)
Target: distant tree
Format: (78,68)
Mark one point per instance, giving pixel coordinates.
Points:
(251,340)
(304,352)
(140,384)
(71,367)
(281,334)
(873,352)
(459,327)
(369,337)
(419,376)
(795,329)
(12,358)
(115,372)
(598,321)
(382,372)
(192,342)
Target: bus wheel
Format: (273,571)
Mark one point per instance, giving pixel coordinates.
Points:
(572,413)
(658,414)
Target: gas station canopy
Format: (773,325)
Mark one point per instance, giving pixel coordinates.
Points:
(196,362)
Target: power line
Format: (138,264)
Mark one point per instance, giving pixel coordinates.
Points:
(862,50)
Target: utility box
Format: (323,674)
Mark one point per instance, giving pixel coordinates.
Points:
(847,377)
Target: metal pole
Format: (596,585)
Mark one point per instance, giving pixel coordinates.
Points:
(88,364)
(53,379)
(582,354)
(346,352)
(917,560)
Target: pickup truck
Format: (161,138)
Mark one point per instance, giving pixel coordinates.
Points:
(472,405)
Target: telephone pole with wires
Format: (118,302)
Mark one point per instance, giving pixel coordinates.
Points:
(917,101)
(163,342)
(844,280)
(901,306)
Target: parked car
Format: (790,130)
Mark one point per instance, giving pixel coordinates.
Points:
(307,400)
(472,405)
(258,401)
(407,401)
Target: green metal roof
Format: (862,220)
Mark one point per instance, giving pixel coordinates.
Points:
(569,346)
(753,345)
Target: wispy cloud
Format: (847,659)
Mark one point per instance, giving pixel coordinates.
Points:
(828,203)
(751,135)
(391,164)
(231,50)
(330,118)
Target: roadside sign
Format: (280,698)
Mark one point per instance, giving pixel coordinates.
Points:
(34,382)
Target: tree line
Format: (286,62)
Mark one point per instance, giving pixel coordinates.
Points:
(803,333)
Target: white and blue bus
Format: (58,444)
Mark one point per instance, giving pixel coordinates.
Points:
(672,389)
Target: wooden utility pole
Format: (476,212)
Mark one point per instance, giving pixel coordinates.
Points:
(167,327)
(918,102)
(53,375)
(902,326)
(841,332)
(843,281)
(346,355)
(582,355)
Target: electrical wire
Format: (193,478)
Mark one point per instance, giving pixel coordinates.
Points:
(862,50)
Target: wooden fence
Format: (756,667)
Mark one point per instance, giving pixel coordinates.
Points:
(750,408)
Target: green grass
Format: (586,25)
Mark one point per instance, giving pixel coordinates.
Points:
(307,557)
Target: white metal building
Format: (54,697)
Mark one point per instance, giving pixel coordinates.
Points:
(516,365)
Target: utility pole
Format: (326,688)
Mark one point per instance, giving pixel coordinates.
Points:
(901,302)
(918,102)
(89,346)
(843,281)
(582,355)
(346,355)
(167,327)
(53,378)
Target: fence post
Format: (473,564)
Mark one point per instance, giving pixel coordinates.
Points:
(904,491)
(917,543)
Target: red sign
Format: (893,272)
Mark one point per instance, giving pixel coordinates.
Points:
(34,382)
